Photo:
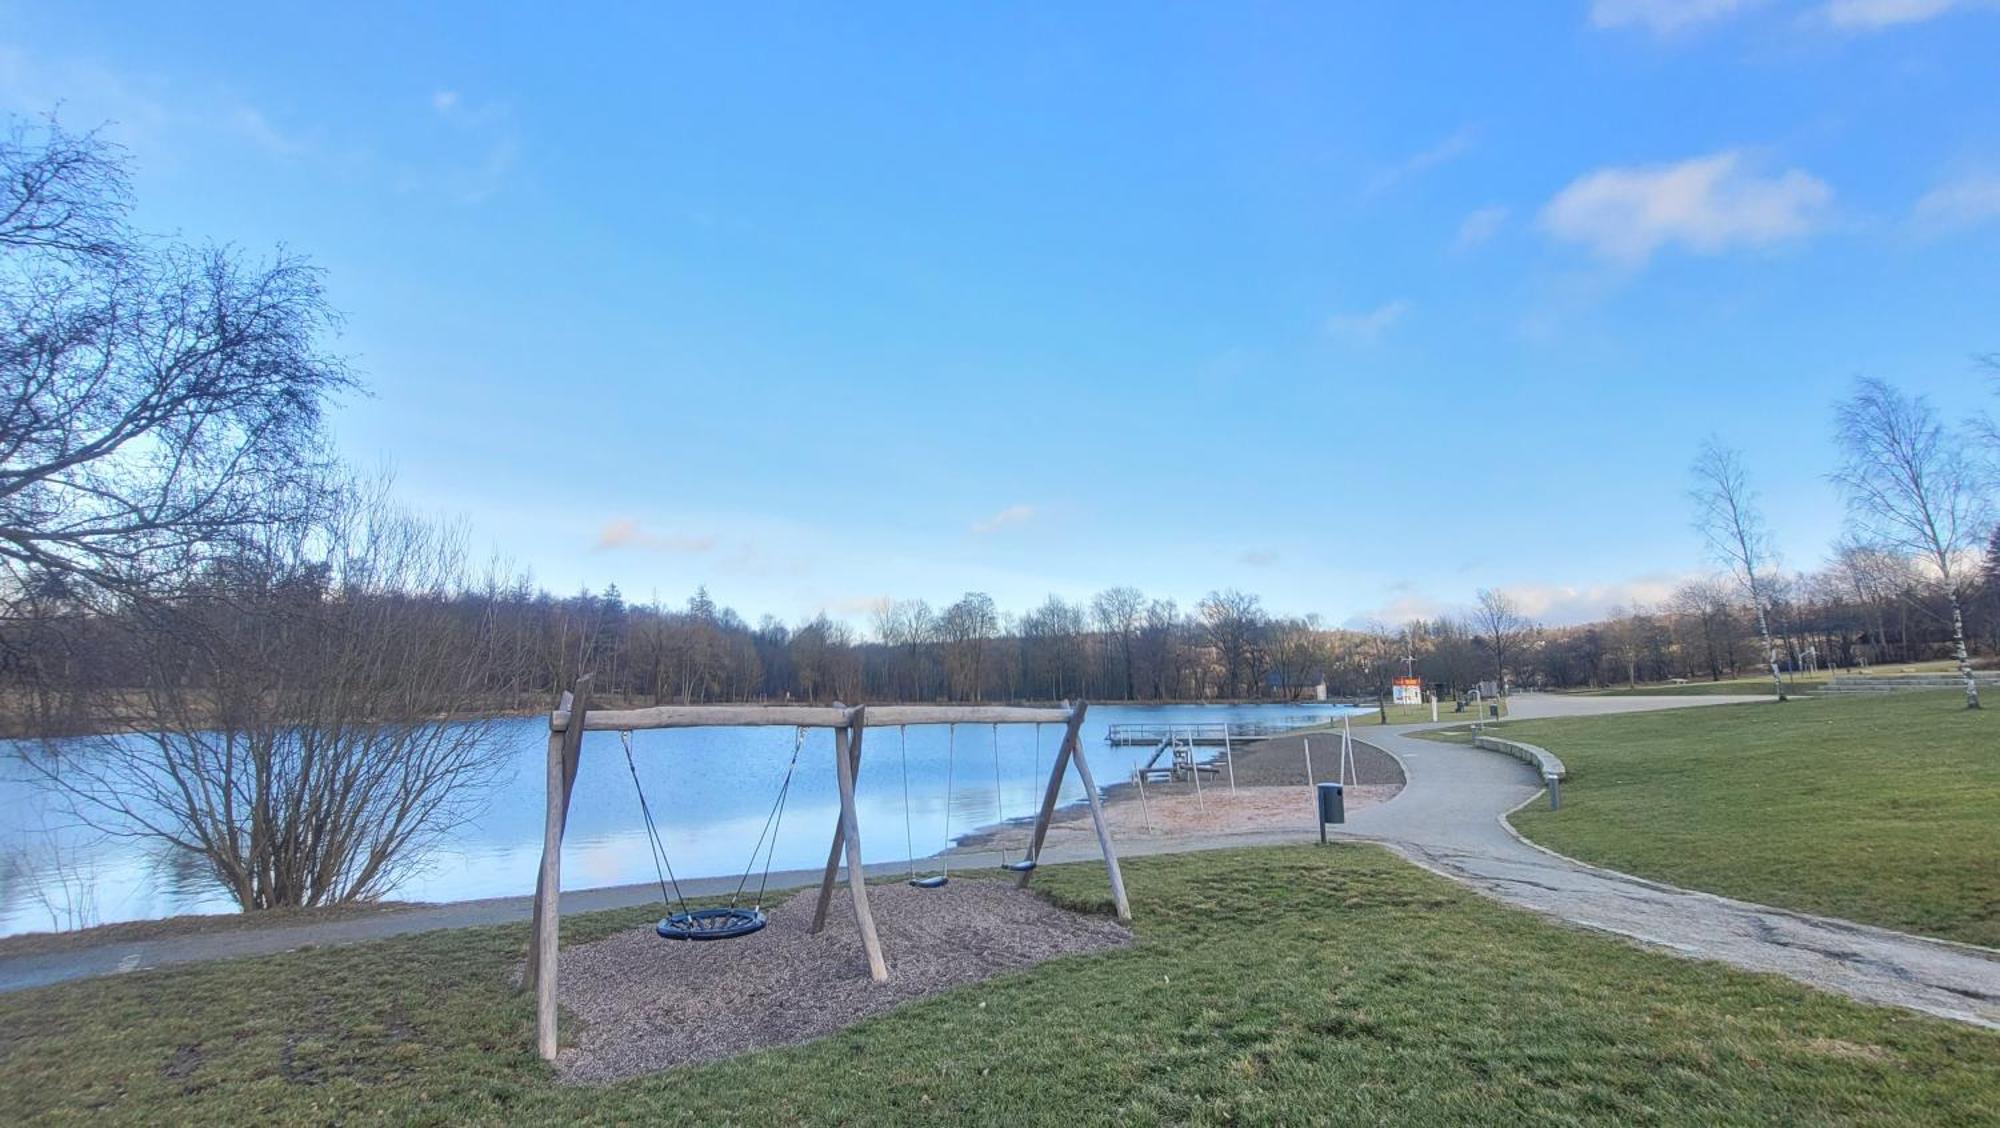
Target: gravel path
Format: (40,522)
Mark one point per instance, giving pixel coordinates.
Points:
(647,1004)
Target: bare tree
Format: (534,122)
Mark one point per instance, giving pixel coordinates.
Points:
(967,628)
(1726,513)
(1501,628)
(1911,484)
(1235,622)
(158,402)
(1118,612)
(313,714)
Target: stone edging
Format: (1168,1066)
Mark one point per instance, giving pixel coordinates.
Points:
(1541,759)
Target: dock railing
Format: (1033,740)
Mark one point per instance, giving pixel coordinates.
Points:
(1212,733)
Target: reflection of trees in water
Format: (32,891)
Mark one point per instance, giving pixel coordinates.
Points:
(52,880)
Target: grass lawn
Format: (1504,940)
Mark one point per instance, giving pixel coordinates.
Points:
(1292,985)
(1421,714)
(1878,809)
(1761,682)
(1794,683)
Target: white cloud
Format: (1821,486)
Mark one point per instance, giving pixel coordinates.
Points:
(1012,515)
(1873,15)
(1481,226)
(623,532)
(1444,152)
(444,101)
(1663,17)
(1708,205)
(1555,605)
(1368,326)
(1965,202)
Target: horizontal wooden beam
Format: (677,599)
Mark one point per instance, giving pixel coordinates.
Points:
(810,716)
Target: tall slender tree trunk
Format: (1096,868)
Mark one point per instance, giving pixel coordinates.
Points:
(1964,658)
(1770,649)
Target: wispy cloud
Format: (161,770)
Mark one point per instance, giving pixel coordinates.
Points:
(1444,152)
(1664,17)
(1964,201)
(1874,15)
(1368,326)
(1258,558)
(1006,518)
(1550,604)
(1481,226)
(623,533)
(1708,205)
(444,101)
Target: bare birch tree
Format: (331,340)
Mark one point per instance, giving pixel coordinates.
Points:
(1911,484)
(1726,513)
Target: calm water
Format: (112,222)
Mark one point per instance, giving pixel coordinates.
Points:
(710,790)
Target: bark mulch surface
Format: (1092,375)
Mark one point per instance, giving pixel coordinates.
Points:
(644,1004)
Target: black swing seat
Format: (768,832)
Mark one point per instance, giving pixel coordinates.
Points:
(1025,865)
(934,881)
(711,924)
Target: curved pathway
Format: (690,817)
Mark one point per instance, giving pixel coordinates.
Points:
(1450,819)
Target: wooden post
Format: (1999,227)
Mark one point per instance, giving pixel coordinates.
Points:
(1046,813)
(852,754)
(1118,900)
(857,880)
(577,705)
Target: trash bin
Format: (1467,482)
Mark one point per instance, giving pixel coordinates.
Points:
(1493,710)
(1332,807)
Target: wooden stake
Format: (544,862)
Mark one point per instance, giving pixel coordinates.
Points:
(1118,900)
(1046,813)
(857,880)
(834,852)
(572,749)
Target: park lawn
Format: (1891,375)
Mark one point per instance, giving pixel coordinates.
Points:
(1760,683)
(1877,809)
(1794,683)
(1421,714)
(1297,984)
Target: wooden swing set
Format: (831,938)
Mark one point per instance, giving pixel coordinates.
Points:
(573,717)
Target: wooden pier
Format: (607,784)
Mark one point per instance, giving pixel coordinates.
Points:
(1213,734)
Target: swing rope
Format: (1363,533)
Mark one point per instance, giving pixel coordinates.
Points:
(662,867)
(950,759)
(909,840)
(772,823)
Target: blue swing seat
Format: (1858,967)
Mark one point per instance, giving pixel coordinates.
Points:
(1025,865)
(934,881)
(711,924)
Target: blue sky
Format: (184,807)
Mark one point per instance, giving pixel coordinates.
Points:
(1360,307)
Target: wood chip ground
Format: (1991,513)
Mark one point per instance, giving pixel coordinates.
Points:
(637,1004)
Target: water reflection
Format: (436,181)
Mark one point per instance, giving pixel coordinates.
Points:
(710,791)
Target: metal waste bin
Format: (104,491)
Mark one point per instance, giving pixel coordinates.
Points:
(1332,807)
(1493,710)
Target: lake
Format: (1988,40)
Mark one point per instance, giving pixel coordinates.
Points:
(710,791)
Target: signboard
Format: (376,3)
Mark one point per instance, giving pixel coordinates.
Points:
(1408,691)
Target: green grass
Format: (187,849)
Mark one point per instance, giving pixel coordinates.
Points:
(1794,683)
(1760,683)
(1421,714)
(1877,809)
(1294,985)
